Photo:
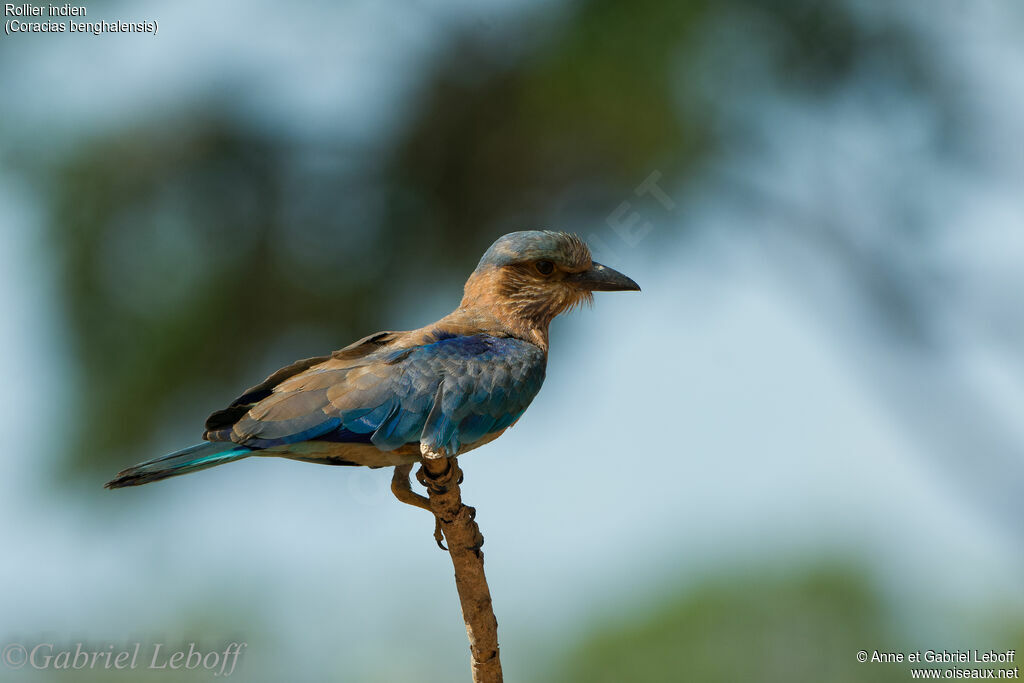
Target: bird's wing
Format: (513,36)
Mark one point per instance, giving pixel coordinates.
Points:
(445,393)
(486,385)
(219,424)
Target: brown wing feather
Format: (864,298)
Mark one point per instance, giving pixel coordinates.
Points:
(219,424)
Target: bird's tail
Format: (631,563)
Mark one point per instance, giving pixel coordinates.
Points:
(190,459)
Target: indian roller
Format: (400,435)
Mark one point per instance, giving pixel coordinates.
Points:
(393,397)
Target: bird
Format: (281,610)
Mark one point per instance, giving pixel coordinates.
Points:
(392,398)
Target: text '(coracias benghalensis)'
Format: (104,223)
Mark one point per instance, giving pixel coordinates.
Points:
(394,397)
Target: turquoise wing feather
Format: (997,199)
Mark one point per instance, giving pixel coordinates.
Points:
(452,391)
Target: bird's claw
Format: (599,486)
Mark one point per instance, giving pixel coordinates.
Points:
(438,535)
(403,491)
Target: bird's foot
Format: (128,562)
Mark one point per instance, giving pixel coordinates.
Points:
(402,489)
(436,474)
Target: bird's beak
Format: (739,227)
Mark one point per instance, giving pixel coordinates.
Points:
(603,279)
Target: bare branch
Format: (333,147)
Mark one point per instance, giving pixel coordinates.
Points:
(442,477)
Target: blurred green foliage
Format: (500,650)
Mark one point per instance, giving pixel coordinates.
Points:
(807,625)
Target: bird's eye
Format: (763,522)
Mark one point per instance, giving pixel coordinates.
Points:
(545,267)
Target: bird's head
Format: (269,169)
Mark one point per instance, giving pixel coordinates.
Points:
(532,276)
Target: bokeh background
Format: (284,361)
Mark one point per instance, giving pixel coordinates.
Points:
(803,439)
